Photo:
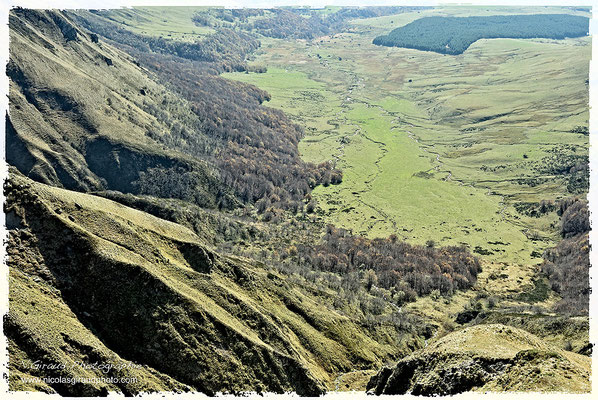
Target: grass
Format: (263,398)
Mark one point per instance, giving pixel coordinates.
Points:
(360,111)
(511,360)
(38,311)
(109,100)
(204,314)
(167,22)
(121,242)
(432,146)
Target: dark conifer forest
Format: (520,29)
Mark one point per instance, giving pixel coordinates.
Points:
(453,35)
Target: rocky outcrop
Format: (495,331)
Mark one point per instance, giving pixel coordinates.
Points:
(485,358)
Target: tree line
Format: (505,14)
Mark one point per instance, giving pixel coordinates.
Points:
(255,147)
(568,264)
(225,50)
(296,23)
(392,264)
(453,35)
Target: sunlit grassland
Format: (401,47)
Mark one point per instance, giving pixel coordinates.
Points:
(432,146)
(380,193)
(327,10)
(168,22)
(503,105)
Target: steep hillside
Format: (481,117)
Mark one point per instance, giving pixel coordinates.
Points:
(485,358)
(76,117)
(87,116)
(255,147)
(94,280)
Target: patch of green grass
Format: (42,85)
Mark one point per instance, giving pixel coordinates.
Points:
(477,124)
(167,22)
(41,327)
(539,292)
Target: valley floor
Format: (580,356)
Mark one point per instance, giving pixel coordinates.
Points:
(439,148)
(435,147)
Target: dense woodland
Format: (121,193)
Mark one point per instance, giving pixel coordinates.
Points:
(225,50)
(567,265)
(393,264)
(256,150)
(453,35)
(287,24)
(564,161)
(372,278)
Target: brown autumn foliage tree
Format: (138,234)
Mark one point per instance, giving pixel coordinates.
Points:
(253,147)
(393,264)
(567,265)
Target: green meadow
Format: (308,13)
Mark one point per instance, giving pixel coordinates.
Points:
(435,147)
(473,150)
(167,22)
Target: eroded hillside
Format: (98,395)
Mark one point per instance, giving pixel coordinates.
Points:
(92,279)
(485,358)
(162,217)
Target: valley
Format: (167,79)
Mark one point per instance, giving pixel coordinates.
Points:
(433,147)
(274,203)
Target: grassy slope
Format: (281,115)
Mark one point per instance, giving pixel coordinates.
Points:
(167,22)
(240,326)
(41,327)
(310,91)
(511,350)
(322,343)
(66,101)
(362,111)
